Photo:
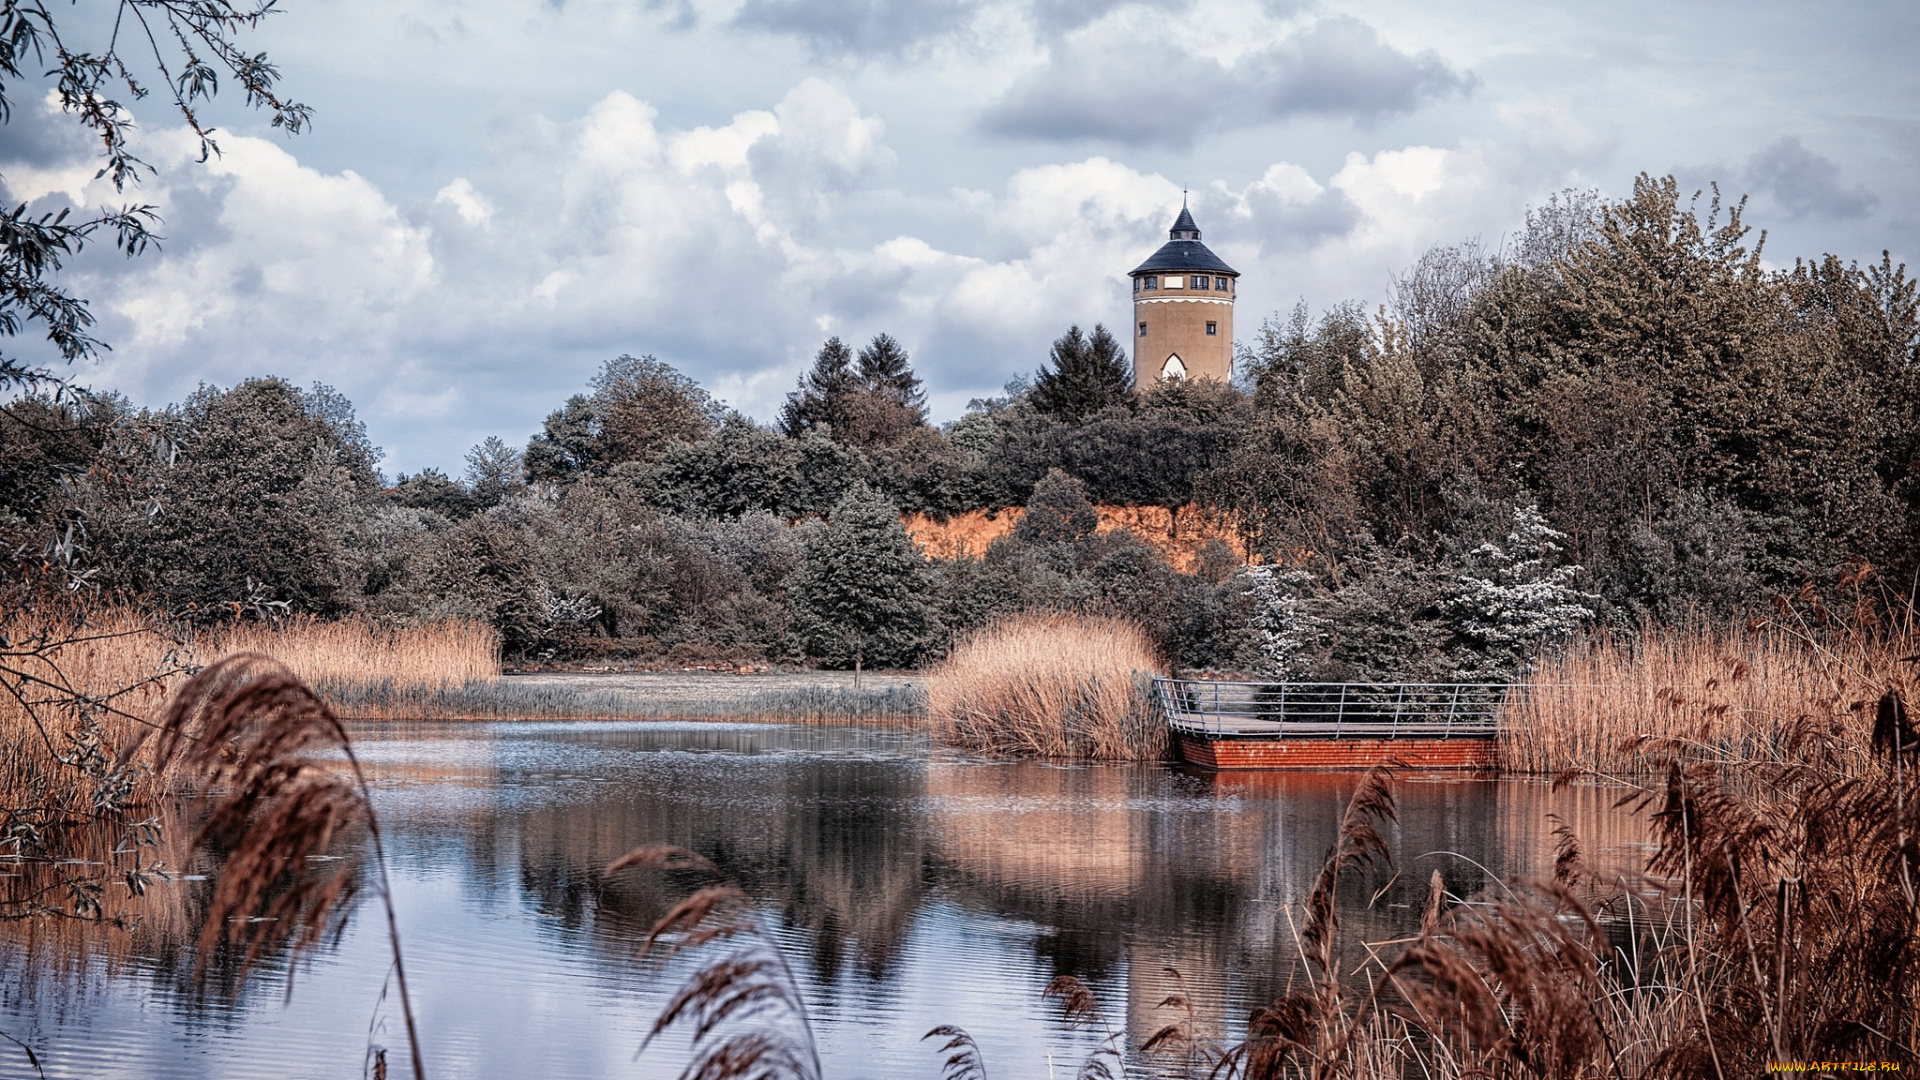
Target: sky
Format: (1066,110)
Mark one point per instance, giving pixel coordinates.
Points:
(496,196)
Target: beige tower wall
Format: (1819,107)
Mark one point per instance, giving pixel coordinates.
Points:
(1177,325)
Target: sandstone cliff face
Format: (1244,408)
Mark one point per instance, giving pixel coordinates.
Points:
(1178,537)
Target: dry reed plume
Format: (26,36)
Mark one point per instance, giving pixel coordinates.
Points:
(1623,707)
(268,752)
(748,1016)
(1050,686)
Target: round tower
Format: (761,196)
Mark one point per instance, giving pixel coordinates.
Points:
(1183,310)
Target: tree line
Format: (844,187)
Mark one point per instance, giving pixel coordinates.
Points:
(1622,415)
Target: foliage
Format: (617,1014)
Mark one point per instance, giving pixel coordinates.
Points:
(189,44)
(1058,512)
(495,471)
(1705,432)
(1516,601)
(639,407)
(1286,628)
(239,498)
(873,402)
(856,593)
(1087,375)
(825,396)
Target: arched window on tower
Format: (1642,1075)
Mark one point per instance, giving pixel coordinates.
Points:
(1174,368)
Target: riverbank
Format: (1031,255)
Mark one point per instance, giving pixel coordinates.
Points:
(818,697)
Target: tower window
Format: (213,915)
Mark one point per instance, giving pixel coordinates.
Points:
(1220,284)
(1143,329)
(1152,282)
(1199,282)
(1213,329)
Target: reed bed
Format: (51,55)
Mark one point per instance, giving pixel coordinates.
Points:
(1623,706)
(454,653)
(1050,686)
(78,685)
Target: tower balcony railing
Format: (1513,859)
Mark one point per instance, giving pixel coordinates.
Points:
(1219,708)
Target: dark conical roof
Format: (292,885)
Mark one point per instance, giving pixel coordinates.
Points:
(1184,251)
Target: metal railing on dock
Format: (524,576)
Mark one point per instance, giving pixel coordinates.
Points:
(1277,710)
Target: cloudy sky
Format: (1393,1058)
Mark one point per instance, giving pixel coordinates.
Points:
(498,194)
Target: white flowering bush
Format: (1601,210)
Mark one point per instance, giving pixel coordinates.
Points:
(1284,627)
(1517,599)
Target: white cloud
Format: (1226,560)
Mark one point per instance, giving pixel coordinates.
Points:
(468,203)
(726,250)
(729,213)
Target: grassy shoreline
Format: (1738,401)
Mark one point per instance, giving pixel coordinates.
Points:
(892,701)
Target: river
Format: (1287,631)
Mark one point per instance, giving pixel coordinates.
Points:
(909,887)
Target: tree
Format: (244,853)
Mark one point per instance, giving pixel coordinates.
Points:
(1058,511)
(889,405)
(494,471)
(825,396)
(1517,598)
(858,594)
(564,447)
(886,373)
(431,489)
(740,467)
(1086,376)
(189,44)
(641,404)
(1285,627)
(252,498)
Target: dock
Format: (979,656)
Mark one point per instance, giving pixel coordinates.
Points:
(1234,724)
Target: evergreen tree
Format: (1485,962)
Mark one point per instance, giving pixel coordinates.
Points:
(858,592)
(886,374)
(889,403)
(1518,598)
(1285,627)
(1086,375)
(1058,511)
(825,396)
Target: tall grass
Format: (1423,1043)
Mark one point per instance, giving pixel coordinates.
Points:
(1624,706)
(357,651)
(76,685)
(1050,686)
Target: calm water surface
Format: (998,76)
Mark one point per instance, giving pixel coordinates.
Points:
(909,887)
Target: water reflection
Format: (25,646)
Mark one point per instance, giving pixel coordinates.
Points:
(912,888)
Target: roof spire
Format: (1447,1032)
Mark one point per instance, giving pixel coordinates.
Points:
(1183,226)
